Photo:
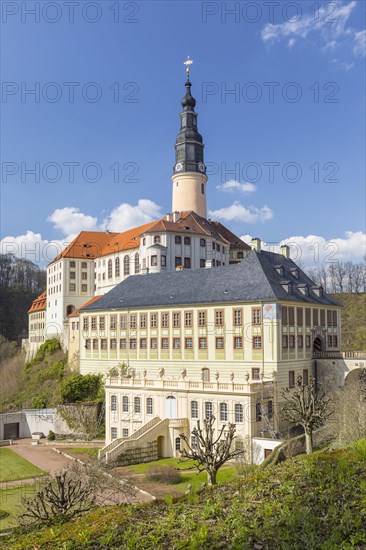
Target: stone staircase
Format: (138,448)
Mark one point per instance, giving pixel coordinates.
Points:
(140,438)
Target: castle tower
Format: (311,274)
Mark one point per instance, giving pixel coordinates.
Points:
(189,176)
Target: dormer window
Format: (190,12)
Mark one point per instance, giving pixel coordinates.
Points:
(294,272)
(287,286)
(303,289)
(318,290)
(279,269)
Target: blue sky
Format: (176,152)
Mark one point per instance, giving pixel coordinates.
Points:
(286,151)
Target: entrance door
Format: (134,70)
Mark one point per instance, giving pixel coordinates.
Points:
(11,431)
(171,407)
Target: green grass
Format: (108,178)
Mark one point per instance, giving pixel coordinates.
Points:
(307,502)
(91,452)
(14,467)
(11,500)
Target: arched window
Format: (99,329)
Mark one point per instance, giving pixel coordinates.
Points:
(126,265)
(110,273)
(125,403)
(206,375)
(137,405)
(69,309)
(157,239)
(117,267)
(137,263)
(149,405)
(177,443)
(238,412)
(223,412)
(194,409)
(113,402)
(208,409)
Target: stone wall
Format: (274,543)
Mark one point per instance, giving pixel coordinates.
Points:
(138,455)
(331,373)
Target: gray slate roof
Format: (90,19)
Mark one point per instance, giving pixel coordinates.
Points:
(253,279)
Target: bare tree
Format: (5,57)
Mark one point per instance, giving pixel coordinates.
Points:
(307,406)
(210,452)
(340,274)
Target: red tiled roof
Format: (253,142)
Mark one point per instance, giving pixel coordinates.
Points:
(88,244)
(39,304)
(127,240)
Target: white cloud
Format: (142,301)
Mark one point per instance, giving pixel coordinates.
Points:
(314,250)
(233,185)
(71,221)
(126,216)
(238,212)
(31,246)
(330,26)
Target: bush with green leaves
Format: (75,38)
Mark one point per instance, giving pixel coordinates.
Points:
(79,388)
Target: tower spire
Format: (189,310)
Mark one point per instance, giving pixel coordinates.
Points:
(189,172)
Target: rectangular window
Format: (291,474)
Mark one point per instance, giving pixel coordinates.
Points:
(133,343)
(137,405)
(330,341)
(125,432)
(125,403)
(220,342)
(95,344)
(256,316)
(123,322)
(84,275)
(284,341)
(153,343)
(94,323)
(133,320)
(164,320)
(72,286)
(88,343)
(258,412)
(284,312)
(163,261)
(291,378)
(165,343)
(223,412)
(237,317)
(202,343)
(208,409)
(315,318)
(84,288)
(202,243)
(101,323)
(113,343)
(176,320)
(308,340)
(202,318)
(85,323)
(187,241)
(194,409)
(154,260)
(153,320)
(322,317)
(113,402)
(178,239)
(188,343)
(113,322)
(308,317)
(149,405)
(300,341)
(335,318)
(257,342)
(103,343)
(143,320)
(143,343)
(299,316)
(188,316)
(219,317)
(329,318)
(238,342)
(176,343)
(239,417)
(256,373)
(72,275)
(72,264)
(202,262)
(178,261)
(122,343)
(291,341)
(270,409)
(305,377)
(84,265)
(113,433)
(187,263)
(291,316)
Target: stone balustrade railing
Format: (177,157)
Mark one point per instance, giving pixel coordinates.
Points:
(339,355)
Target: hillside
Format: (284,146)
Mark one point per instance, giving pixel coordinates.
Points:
(316,501)
(353,320)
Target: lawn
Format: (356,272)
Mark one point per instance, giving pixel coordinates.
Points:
(90,452)
(13,467)
(10,502)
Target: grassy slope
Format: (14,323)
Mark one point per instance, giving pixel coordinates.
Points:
(316,501)
(353,320)
(13,467)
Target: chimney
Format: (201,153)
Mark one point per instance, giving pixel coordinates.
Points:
(285,250)
(256,244)
(169,217)
(176,216)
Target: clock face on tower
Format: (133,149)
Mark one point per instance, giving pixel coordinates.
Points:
(201,167)
(178,167)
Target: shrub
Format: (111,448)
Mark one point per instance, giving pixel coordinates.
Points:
(49,346)
(40,402)
(79,388)
(163,474)
(51,436)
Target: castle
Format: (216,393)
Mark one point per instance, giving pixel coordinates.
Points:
(184,319)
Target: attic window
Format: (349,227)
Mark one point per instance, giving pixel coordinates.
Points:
(304,289)
(318,290)
(279,269)
(295,272)
(287,286)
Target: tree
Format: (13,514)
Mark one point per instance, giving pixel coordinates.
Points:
(208,452)
(307,406)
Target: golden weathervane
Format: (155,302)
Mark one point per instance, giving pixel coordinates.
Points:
(188,62)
